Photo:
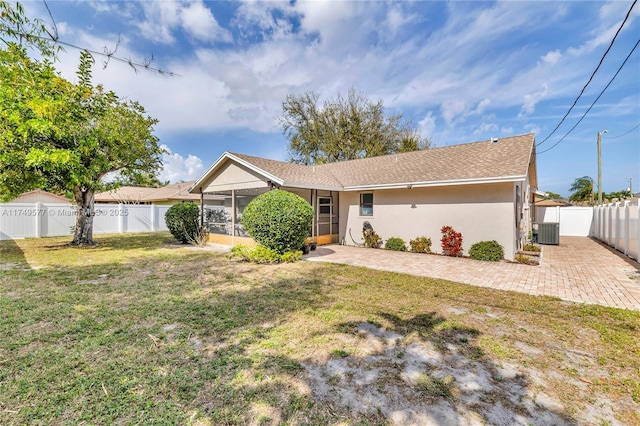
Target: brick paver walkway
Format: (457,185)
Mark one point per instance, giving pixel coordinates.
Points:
(579,269)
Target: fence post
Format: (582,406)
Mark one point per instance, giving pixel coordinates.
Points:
(120,218)
(38,220)
(616,225)
(599,223)
(608,224)
(153,217)
(638,232)
(627,229)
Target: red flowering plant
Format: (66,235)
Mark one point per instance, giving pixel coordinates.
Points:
(451,242)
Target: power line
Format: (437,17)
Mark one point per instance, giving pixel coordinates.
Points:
(596,100)
(592,74)
(625,133)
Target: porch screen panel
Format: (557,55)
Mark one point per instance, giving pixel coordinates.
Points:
(324,215)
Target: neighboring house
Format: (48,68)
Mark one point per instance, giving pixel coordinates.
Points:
(483,189)
(170,194)
(40,196)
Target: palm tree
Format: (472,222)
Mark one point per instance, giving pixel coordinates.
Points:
(582,189)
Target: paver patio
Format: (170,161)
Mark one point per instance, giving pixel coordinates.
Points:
(579,269)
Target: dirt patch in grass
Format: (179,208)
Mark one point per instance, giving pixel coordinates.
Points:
(140,330)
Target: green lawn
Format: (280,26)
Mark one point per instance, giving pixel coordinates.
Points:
(139,330)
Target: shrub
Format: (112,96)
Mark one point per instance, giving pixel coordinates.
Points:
(291,256)
(239,251)
(520,258)
(262,254)
(183,221)
(396,244)
(278,220)
(371,239)
(487,250)
(531,248)
(420,245)
(451,241)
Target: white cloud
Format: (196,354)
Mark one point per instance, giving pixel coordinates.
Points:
(482,106)
(530,101)
(457,69)
(161,18)
(427,125)
(397,19)
(486,128)
(178,168)
(552,57)
(198,20)
(269,20)
(453,108)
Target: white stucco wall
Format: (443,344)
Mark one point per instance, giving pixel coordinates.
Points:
(480,212)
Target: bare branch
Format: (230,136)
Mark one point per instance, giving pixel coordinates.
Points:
(15,24)
(53,36)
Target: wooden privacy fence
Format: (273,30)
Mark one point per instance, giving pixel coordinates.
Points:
(34,220)
(617,225)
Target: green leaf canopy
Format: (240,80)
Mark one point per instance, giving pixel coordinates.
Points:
(65,137)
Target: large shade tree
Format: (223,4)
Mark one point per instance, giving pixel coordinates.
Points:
(66,137)
(344,129)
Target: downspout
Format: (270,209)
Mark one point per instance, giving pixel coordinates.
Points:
(233,217)
(201,208)
(314,195)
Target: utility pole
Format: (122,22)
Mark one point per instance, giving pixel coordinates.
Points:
(630,187)
(600,166)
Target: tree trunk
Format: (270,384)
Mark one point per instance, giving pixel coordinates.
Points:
(83,234)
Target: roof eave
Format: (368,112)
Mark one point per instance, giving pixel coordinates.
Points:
(196,188)
(406,185)
(311,186)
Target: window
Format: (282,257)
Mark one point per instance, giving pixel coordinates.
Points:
(324,205)
(366,204)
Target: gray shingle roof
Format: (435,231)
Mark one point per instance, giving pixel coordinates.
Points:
(478,161)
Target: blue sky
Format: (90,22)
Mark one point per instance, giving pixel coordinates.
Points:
(462,71)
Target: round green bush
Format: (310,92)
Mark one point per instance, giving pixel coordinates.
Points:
(396,244)
(183,221)
(279,220)
(487,250)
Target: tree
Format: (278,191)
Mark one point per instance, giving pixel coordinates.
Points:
(581,189)
(620,195)
(66,137)
(16,25)
(552,195)
(140,179)
(344,129)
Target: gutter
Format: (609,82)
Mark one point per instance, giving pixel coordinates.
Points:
(409,185)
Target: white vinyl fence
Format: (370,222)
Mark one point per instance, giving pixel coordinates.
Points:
(617,225)
(33,220)
(574,221)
